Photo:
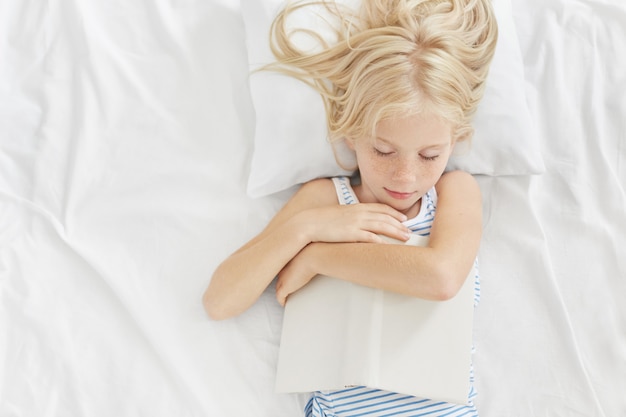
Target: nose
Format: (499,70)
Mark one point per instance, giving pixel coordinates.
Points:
(405,170)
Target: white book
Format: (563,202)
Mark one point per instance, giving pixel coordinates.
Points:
(337,334)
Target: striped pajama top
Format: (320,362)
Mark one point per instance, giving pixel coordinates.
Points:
(364,401)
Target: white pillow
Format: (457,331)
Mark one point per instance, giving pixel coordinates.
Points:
(291,144)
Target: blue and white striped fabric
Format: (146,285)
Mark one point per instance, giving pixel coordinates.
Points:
(364,401)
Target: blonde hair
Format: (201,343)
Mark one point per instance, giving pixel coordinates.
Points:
(393,57)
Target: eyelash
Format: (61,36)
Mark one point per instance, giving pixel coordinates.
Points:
(425,158)
(379,153)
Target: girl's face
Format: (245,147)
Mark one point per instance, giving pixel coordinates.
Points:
(405,160)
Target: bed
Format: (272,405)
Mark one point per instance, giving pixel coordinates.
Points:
(129,152)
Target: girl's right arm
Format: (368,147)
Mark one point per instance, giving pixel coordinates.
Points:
(312,215)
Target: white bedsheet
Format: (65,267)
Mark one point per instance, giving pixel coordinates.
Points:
(125,143)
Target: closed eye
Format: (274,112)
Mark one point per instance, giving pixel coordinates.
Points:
(429,158)
(381,153)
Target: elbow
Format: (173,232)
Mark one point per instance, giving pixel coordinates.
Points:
(446,290)
(211,308)
(219,301)
(214,309)
(446,284)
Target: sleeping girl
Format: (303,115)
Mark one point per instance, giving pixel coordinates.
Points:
(400,85)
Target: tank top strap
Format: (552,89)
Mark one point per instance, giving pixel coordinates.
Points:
(345,193)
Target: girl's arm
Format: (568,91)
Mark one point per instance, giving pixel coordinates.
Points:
(435,272)
(312,215)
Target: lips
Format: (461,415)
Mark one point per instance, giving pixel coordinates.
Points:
(399,195)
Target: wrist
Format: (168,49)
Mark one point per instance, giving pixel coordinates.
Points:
(313,256)
(301,230)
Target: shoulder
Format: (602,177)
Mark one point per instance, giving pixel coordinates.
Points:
(312,194)
(458,191)
(457,182)
(316,193)
(319,185)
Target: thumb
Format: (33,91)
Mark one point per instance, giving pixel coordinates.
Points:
(280,297)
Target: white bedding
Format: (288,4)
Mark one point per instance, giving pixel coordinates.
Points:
(126,133)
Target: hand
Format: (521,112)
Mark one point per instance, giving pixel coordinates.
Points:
(295,275)
(361,222)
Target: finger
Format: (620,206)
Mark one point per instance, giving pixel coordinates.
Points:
(394,235)
(391,228)
(281,295)
(390,211)
(385,216)
(369,237)
(281,298)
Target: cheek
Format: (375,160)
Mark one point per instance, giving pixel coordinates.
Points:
(373,165)
(434,171)
(439,166)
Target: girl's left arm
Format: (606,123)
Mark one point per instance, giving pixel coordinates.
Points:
(434,272)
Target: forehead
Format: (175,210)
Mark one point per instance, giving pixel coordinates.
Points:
(420,129)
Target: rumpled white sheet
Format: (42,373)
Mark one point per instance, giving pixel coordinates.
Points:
(553,328)
(125,141)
